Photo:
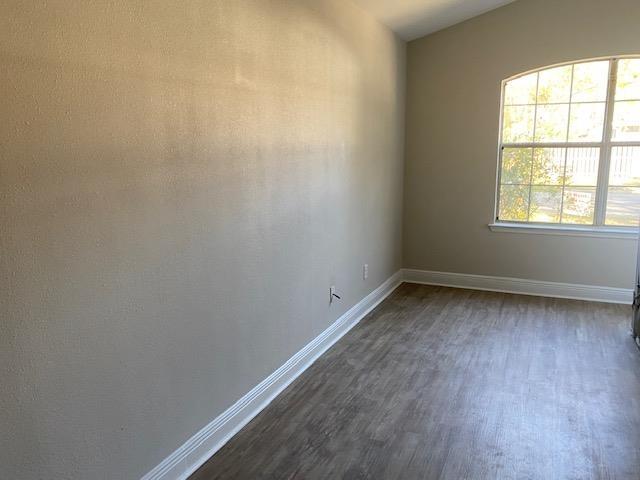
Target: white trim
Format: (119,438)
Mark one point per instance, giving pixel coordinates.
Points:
(520,286)
(200,447)
(601,232)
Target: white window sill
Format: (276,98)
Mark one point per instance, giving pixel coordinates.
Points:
(627,233)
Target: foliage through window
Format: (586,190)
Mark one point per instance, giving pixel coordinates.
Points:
(570,145)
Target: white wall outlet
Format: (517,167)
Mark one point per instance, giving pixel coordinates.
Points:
(365,271)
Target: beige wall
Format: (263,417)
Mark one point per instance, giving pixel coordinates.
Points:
(180,183)
(453,102)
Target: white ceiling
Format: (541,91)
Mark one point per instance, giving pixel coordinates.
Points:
(412,19)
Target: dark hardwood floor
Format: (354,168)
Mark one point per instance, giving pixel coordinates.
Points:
(441,383)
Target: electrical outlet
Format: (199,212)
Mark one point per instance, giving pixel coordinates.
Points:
(365,271)
(332,294)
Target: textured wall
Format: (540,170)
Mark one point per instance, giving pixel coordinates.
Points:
(180,184)
(453,92)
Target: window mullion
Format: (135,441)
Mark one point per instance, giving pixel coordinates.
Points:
(605,150)
(566,150)
(533,152)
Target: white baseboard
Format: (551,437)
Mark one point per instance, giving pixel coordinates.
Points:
(520,285)
(199,448)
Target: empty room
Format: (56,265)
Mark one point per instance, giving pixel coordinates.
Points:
(319,239)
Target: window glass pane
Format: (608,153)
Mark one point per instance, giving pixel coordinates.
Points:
(521,91)
(623,206)
(628,84)
(548,166)
(554,85)
(514,202)
(518,124)
(545,204)
(579,205)
(626,121)
(582,166)
(587,122)
(625,166)
(516,166)
(551,123)
(566,107)
(590,82)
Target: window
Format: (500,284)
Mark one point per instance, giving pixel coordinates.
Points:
(570,145)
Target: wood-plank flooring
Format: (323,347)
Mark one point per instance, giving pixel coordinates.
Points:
(441,383)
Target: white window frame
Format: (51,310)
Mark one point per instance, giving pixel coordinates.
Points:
(598,228)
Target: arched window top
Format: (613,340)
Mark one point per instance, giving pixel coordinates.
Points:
(570,144)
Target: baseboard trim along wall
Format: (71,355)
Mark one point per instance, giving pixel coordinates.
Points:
(519,285)
(199,448)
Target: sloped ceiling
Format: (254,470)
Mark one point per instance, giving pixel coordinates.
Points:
(412,19)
